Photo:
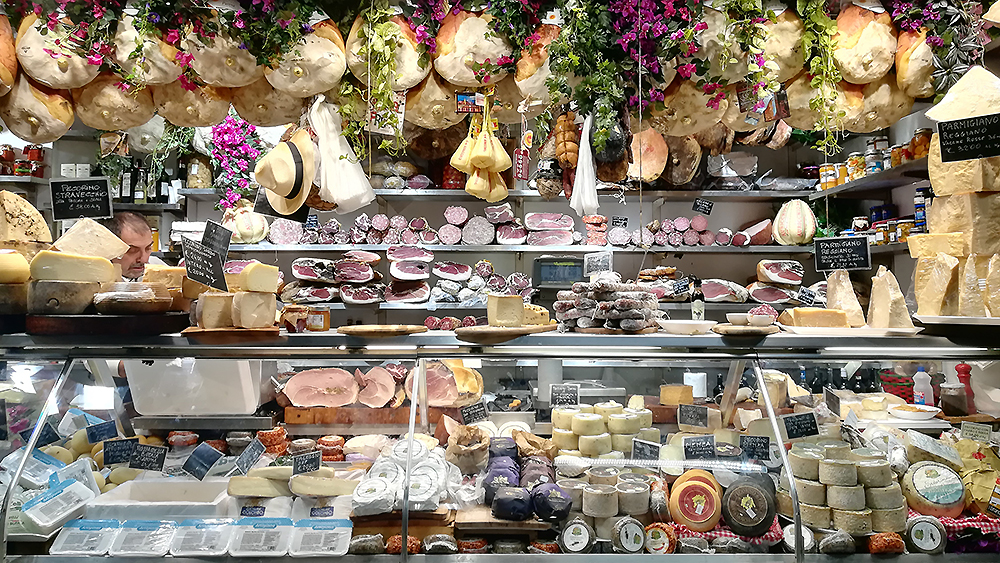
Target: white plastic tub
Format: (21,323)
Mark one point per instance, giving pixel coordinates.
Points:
(162,499)
(186,386)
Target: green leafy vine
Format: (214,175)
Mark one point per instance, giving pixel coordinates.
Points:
(745,28)
(818,44)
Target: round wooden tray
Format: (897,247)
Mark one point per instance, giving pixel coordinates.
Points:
(726,329)
(498,334)
(114,325)
(380,331)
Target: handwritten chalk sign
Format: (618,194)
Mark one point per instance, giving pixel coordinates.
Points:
(150,458)
(217,238)
(101,432)
(644,449)
(562,394)
(842,253)
(250,456)
(756,447)
(307,463)
(80,197)
(699,447)
(966,139)
(47,436)
(806,297)
(203,264)
(619,221)
(692,415)
(703,206)
(800,425)
(119,451)
(475,412)
(201,460)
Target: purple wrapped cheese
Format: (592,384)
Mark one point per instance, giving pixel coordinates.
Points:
(498,477)
(536,474)
(550,502)
(503,447)
(512,503)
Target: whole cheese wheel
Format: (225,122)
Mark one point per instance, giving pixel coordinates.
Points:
(600,501)
(854,522)
(835,449)
(915,64)
(813,515)
(603,475)
(624,423)
(800,92)
(783,44)
(847,497)
(562,417)
(585,424)
(409,71)
(315,65)
(650,434)
(265,106)
(607,409)
(465,39)
(628,536)
(575,489)
(933,489)
(202,107)
(838,472)
(805,464)
(633,498)
(223,63)
(144,138)
(103,104)
(872,454)
(623,442)
(812,492)
(158,66)
(44,62)
(577,537)
(884,497)
(661,538)
(36,113)
(874,473)
(595,445)
(926,534)
(889,520)
(865,44)
(8,56)
(696,505)
(748,508)
(564,439)
(698,475)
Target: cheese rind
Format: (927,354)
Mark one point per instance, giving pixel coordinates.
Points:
(840,295)
(89,238)
(215,310)
(973,214)
(62,266)
(887,307)
(889,520)
(595,445)
(933,489)
(253,309)
(846,497)
(838,472)
(284,472)
(562,417)
(854,522)
(993,286)
(927,245)
(565,439)
(805,464)
(192,289)
(13,267)
(673,395)
(970,298)
(623,442)
(170,276)
(259,277)
(20,221)
(874,473)
(887,497)
(13,298)
(936,285)
(588,424)
(624,423)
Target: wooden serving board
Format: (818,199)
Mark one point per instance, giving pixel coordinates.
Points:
(381,331)
(231,335)
(111,325)
(480,517)
(498,334)
(727,329)
(649,330)
(359,415)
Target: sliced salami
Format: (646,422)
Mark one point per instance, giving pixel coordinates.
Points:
(692,237)
(699,223)
(619,236)
(497,214)
(332,226)
(681,224)
(432,323)
(363,222)
(284,232)
(478,231)
(660,238)
(408,236)
(667,226)
(343,237)
(468,320)
(309,236)
(429,236)
(449,234)
(374,237)
(511,233)
(418,224)
(380,222)
(392,237)
(484,269)
(707,238)
(675,238)
(358,235)
(398,222)
(456,215)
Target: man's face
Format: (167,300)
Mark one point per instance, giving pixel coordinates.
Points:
(140,244)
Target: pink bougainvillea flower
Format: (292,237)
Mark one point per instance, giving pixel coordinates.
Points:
(187,84)
(172,36)
(700,26)
(686,70)
(183,59)
(95,59)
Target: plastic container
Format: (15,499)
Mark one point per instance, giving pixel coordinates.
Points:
(319,537)
(923,393)
(60,504)
(82,471)
(186,386)
(85,537)
(36,472)
(143,538)
(163,499)
(202,538)
(261,537)
(954,401)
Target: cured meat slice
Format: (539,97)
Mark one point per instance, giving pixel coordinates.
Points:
(418,224)
(667,225)
(478,231)
(283,231)
(597,239)
(343,237)
(407,292)
(398,222)
(400,253)
(692,237)
(496,283)
(780,271)
(315,269)
(497,214)
(755,234)
(361,294)
(770,294)
(699,223)
(484,269)
(409,236)
(518,281)
(450,234)
(468,320)
(353,271)
(549,238)
(511,233)
(548,222)
(331,227)
(724,291)
(409,270)
(429,236)
(377,387)
(380,222)
(681,224)
(432,323)
(595,219)
(302,292)
(642,237)
(456,215)
(450,323)
(619,236)
(391,236)
(328,387)
(449,384)
(309,236)
(724,237)
(363,256)
(452,271)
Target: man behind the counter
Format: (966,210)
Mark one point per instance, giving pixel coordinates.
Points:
(134,231)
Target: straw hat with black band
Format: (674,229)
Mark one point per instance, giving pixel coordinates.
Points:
(287,172)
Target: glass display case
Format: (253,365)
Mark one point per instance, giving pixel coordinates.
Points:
(329,445)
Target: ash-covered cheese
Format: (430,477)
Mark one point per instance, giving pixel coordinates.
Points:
(874,473)
(805,464)
(623,443)
(575,489)
(854,522)
(633,498)
(562,417)
(600,501)
(577,537)
(818,516)
(624,423)
(608,408)
(884,497)
(564,439)
(628,536)
(593,446)
(846,497)
(585,424)
(921,447)
(748,508)
(838,472)
(603,475)
(889,520)
(645,416)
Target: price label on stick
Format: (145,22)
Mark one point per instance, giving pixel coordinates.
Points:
(800,425)
(204,264)
(475,412)
(967,139)
(692,415)
(703,206)
(561,394)
(201,461)
(47,436)
(307,463)
(148,457)
(250,456)
(217,238)
(756,447)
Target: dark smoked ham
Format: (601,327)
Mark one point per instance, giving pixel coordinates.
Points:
(549,238)
(409,270)
(497,214)
(478,231)
(548,222)
(511,233)
(724,291)
(361,294)
(407,292)
(452,271)
(456,215)
(780,271)
(352,271)
(449,235)
(398,253)
(770,294)
(363,256)
(314,269)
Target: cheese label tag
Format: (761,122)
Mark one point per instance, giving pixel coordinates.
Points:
(217,238)
(307,463)
(521,162)
(47,436)
(756,447)
(832,401)
(148,457)
(101,431)
(75,198)
(966,139)
(977,432)
(800,425)
(692,415)
(250,455)
(475,412)
(994,506)
(201,461)
(119,451)
(699,447)
(204,264)
(644,449)
(561,394)
(703,206)
(842,253)
(381,123)
(807,298)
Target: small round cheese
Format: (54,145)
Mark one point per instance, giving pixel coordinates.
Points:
(813,492)
(805,464)
(853,522)
(785,505)
(633,498)
(838,472)
(562,417)
(874,473)
(818,516)
(605,526)
(624,423)
(570,466)
(564,439)
(884,497)
(575,489)
(418,453)
(577,537)
(696,504)
(585,424)
(595,445)
(847,497)
(600,501)
(807,538)
(867,454)
(889,520)
(645,416)
(926,534)
(748,508)
(603,475)
(612,455)
(807,446)
(623,443)
(628,535)
(650,434)
(607,409)
(835,449)
(573,453)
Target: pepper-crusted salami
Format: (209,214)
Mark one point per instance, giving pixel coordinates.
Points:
(660,238)
(667,226)
(363,222)
(675,238)
(619,236)
(707,238)
(450,234)
(380,222)
(309,236)
(398,222)
(699,223)
(478,231)
(358,235)
(691,237)
(456,215)
(332,227)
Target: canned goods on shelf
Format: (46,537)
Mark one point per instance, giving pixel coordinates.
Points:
(920,144)
(878,143)
(827,176)
(903,229)
(873,162)
(855,166)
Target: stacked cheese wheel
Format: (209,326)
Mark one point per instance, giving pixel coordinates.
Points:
(602,431)
(607,497)
(843,489)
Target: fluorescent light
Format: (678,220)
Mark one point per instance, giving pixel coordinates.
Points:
(391,347)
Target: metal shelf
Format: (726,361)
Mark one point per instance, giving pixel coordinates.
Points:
(150,207)
(195,422)
(23,180)
(198,193)
(648,195)
(402,306)
(300,248)
(903,175)
(893,248)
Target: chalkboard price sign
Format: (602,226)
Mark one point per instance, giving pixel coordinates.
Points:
(307,463)
(101,432)
(217,238)
(756,447)
(692,415)
(4,429)
(47,436)
(801,425)
(806,297)
(619,221)
(148,457)
(562,394)
(832,400)
(703,206)
(203,264)
(842,253)
(201,460)
(119,451)
(80,197)
(699,447)
(250,456)
(966,139)
(643,449)
(475,412)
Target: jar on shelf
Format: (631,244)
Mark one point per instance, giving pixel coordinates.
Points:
(891,227)
(877,143)
(920,144)
(34,152)
(903,229)
(954,400)
(873,162)
(37,169)
(22,168)
(886,159)
(6,153)
(842,174)
(199,172)
(855,166)
(881,233)
(896,156)
(827,176)
(6,168)
(318,318)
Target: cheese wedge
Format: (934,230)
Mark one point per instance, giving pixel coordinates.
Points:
(840,295)
(14,267)
(63,266)
(309,486)
(970,298)
(89,238)
(936,285)
(887,308)
(259,277)
(170,276)
(257,487)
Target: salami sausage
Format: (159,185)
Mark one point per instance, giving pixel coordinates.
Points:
(724,237)
(362,222)
(478,231)
(450,234)
(699,223)
(691,237)
(707,238)
(681,224)
(398,222)
(675,238)
(380,222)
(619,236)
(456,215)
(408,236)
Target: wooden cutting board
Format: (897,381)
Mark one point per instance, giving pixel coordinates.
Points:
(381,331)
(727,329)
(498,334)
(649,330)
(231,335)
(111,325)
(480,517)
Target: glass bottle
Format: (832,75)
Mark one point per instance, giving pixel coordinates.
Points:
(128,183)
(920,198)
(697,301)
(964,371)
(719,387)
(954,401)
(923,393)
(163,194)
(141,181)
